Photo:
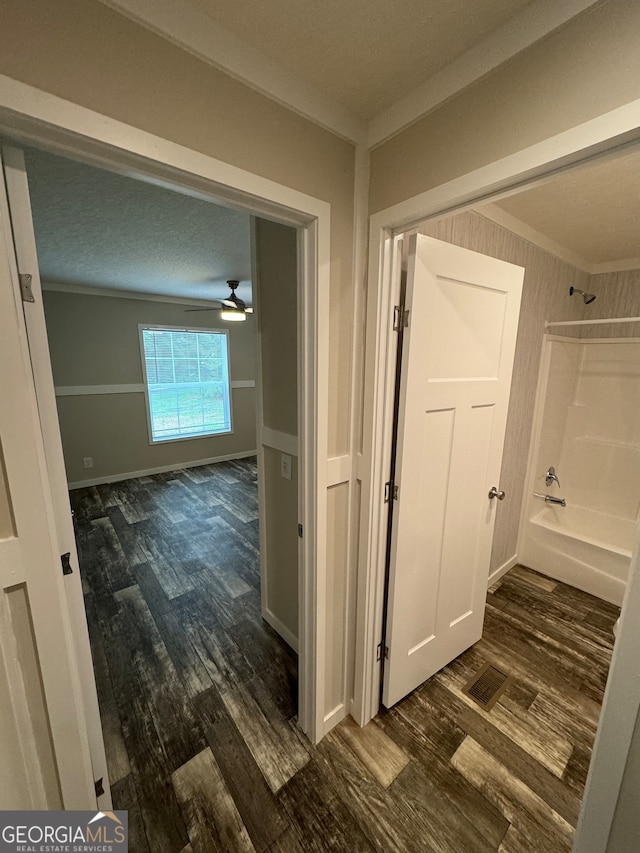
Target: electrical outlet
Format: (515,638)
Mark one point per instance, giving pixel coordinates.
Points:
(285,466)
(87,461)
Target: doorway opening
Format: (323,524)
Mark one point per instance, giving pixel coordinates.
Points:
(233,490)
(537,603)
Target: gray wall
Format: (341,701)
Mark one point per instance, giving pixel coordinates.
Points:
(276,254)
(94,341)
(617,295)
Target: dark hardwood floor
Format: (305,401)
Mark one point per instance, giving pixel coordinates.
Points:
(197,697)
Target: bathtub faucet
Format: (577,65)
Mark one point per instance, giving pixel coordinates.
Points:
(550,499)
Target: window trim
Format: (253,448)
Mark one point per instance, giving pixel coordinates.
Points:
(154,327)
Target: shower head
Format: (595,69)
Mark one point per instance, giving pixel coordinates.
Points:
(588,297)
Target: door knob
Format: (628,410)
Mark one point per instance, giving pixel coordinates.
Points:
(495,493)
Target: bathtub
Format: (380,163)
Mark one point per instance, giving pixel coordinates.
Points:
(580,546)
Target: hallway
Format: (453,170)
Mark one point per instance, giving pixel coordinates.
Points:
(197,697)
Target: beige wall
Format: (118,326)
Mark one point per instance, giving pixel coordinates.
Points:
(90,55)
(94,340)
(545,296)
(586,68)
(277,286)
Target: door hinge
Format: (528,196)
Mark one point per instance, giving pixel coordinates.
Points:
(400,318)
(99,787)
(382,651)
(300,531)
(65,559)
(390,491)
(26,292)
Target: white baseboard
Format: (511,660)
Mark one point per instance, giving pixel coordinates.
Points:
(334,717)
(162,469)
(280,628)
(496,574)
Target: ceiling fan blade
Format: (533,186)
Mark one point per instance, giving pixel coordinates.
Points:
(217,308)
(234,302)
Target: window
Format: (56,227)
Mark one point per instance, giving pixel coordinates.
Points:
(187,382)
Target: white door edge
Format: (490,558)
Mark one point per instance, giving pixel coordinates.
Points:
(262,507)
(30,116)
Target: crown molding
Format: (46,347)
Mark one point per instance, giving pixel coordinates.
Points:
(517,226)
(623,265)
(506,220)
(534,23)
(196,32)
(117,293)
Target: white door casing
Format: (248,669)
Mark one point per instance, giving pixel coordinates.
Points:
(42,678)
(457,362)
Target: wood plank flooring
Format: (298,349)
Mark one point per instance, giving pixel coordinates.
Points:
(198,698)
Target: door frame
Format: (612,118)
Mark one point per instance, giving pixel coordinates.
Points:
(33,117)
(532,166)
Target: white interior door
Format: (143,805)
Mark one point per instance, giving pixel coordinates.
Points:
(17,192)
(45,757)
(457,361)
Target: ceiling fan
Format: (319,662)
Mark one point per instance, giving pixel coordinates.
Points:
(232,308)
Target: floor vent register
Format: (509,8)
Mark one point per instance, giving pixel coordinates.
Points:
(487,686)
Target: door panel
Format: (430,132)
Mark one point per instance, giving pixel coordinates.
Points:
(47,763)
(34,323)
(457,361)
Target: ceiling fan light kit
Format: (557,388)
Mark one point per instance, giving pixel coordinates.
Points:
(233,315)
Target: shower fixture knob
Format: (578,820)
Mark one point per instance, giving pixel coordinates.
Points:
(494,492)
(551,476)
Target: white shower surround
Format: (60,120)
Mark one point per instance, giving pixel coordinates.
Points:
(588,426)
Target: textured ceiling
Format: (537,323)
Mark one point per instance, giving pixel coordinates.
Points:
(594,211)
(100,229)
(103,230)
(364,54)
